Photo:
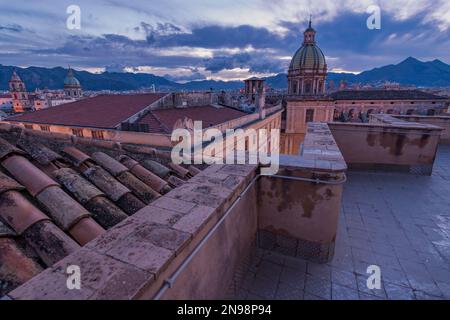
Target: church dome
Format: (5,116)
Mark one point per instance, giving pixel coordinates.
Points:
(309,56)
(70,80)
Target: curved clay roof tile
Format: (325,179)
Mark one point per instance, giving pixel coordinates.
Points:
(18,212)
(27,174)
(110,164)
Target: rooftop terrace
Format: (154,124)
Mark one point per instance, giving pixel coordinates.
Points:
(210,237)
(398,221)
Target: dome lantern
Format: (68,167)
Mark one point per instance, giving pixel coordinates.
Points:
(308,68)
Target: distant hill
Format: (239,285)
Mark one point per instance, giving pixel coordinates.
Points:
(53,78)
(408,72)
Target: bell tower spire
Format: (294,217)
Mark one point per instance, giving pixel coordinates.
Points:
(309,34)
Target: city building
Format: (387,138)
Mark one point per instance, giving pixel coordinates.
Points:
(23,101)
(308,101)
(6,103)
(72,87)
(92,184)
(19,94)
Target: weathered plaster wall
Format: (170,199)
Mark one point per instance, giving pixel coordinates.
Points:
(298,217)
(388,147)
(440,121)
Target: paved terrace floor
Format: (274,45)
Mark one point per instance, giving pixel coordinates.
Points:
(397,221)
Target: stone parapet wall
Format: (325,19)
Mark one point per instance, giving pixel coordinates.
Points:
(299,207)
(442,121)
(388,144)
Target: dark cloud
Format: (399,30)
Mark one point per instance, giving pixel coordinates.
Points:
(182,77)
(12,28)
(260,62)
(346,41)
(111,49)
(214,36)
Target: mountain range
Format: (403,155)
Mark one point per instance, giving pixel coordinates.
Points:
(408,72)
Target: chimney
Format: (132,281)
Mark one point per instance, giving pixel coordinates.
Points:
(261,101)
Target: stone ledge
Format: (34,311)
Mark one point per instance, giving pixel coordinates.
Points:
(319,151)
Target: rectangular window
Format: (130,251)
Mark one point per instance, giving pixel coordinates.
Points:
(28,126)
(45,128)
(97,134)
(78,132)
(309,115)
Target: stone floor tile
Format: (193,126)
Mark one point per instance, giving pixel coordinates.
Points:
(344,278)
(317,270)
(396,292)
(318,287)
(339,292)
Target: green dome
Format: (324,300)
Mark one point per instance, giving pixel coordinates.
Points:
(70,80)
(309,56)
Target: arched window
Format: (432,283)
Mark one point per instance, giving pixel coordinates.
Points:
(308,87)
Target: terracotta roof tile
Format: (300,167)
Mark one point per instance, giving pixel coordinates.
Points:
(106,182)
(145,175)
(18,212)
(165,119)
(182,172)
(105,212)
(6,184)
(112,165)
(6,149)
(103,111)
(157,168)
(27,174)
(53,192)
(79,187)
(16,268)
(86,230)
(64,210)
(75,156)
(49,242)
(38,152)
(142,190)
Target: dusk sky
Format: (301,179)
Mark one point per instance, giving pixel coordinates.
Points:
(218,39)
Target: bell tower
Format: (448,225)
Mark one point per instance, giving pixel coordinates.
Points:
(19,94)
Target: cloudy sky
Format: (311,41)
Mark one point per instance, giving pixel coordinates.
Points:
(219,39)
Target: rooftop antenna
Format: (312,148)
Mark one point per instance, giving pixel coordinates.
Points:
(310,18)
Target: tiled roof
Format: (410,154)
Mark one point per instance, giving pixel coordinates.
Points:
(164,119)
(384,95)
(56,195)
(104,111)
